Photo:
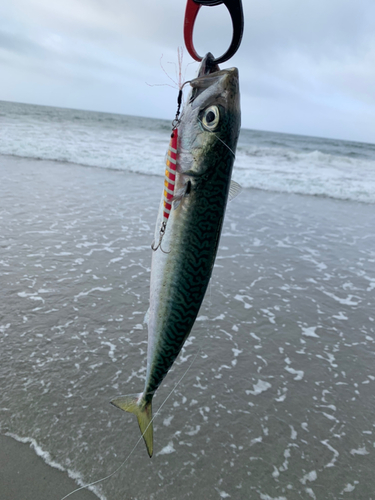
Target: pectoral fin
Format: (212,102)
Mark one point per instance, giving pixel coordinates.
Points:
(180,193)
(234,190)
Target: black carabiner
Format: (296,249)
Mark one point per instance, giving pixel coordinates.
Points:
(236,13)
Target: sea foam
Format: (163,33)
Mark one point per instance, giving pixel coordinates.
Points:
(264,160)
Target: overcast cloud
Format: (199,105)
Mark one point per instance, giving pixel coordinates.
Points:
(305,67)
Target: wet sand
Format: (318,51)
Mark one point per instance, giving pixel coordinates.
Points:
(25,475)
(279,401)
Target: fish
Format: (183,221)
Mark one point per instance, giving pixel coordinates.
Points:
(204,153)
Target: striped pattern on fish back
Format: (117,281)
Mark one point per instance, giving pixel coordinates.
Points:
(194,259)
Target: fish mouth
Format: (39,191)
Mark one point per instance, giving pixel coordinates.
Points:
(210,77)
(208,66)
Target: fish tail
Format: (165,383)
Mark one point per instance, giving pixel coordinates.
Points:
(135,403)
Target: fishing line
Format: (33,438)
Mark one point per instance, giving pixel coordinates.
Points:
(179,77)
(200,348)
(140,439)
(217,137)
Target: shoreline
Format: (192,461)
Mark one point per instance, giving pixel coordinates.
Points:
(236,176)
(24,474)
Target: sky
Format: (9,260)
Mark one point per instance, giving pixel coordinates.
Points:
(306,67)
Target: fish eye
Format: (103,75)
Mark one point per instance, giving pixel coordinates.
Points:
(210,118)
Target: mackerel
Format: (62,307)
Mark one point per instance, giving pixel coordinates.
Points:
(181,267)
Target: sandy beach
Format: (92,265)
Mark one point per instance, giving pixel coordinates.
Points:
(279,399)
(24,475)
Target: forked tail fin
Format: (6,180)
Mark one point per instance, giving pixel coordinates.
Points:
(134,403)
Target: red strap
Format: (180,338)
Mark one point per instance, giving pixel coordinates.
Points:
(191,12)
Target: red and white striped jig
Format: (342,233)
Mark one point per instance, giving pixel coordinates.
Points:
(169,184)
(170,175)
(171,162)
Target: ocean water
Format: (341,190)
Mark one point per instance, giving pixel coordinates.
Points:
(264,160)
(276,383)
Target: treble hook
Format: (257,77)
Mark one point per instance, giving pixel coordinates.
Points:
(161,235)
(236,13)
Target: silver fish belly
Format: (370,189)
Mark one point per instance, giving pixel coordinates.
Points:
(181,269)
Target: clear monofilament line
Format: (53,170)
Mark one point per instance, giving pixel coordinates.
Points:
(140,439)
(217,137)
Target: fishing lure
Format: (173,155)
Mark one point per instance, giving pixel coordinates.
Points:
(169,184)
(171,166)
(170,175)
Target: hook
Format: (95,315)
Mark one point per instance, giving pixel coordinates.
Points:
(161,234)
(236,13)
